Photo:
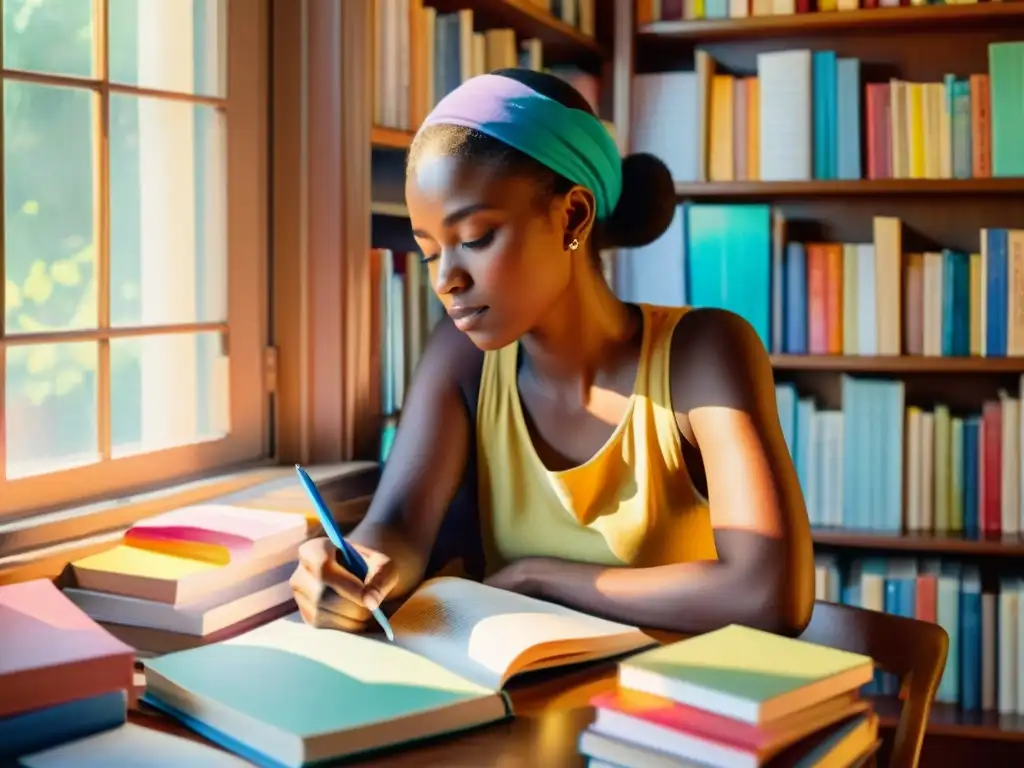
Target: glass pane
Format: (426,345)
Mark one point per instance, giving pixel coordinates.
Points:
(50,407)
(168,259)
(168,45)
(49,258)
(52,36)
(167,391)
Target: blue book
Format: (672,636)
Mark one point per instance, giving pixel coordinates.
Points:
(40,729)
(794,320)
(848,119)
(996,244)
(288,694)
(825,115)
(729,261)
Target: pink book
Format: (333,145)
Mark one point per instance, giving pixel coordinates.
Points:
(219,533)
(762,740)
(51,652)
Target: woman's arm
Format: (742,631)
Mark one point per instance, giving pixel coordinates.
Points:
(724,396)
(427,460)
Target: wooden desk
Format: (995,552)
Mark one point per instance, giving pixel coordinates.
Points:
(551,711)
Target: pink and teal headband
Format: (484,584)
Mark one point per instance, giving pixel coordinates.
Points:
(570,142)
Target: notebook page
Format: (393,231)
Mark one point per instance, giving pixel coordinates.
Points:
(480,632)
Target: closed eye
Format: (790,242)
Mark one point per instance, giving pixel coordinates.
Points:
(479,243)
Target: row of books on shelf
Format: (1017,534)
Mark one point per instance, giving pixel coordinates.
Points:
(985,662)
(842,298)
(649,11)
(877,464)
(835,298)
(420,55)
(807,115)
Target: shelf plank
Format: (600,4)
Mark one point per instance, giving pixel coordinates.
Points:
(868,20)
(562,43)
(950,720)
(938,543)
(390,138)
(767,190)
(898,364)
(394,210)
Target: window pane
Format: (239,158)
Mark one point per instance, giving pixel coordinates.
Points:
(167,391)
(50,407)
(168,45)
(52,36)
(168,250)
(49,258)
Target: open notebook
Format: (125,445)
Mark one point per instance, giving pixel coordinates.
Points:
(286,694)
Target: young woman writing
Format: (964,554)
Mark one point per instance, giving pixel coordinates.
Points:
(625,460)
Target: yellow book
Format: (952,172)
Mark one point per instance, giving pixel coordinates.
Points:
(721,165)
(941,476)
(976,293)
(747,674)
(915,130)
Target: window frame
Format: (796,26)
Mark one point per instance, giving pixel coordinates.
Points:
(245,105)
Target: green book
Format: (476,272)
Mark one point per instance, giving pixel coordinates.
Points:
(746,674)
(287,694)
(1006,86)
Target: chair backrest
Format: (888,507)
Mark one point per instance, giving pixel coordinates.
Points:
(913,650)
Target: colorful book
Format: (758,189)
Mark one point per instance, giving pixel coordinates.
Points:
(218,533)
(746,674)
(322,694)
(52,653)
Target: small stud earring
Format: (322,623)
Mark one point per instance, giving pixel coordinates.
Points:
(574,244)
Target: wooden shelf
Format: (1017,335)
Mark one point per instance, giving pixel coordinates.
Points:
(933,543)
(950,720)
(898,364)
(562,42)
(395,210)
(767,190)
(390,138)
(916,18)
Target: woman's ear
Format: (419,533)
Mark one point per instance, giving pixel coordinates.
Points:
(579,215)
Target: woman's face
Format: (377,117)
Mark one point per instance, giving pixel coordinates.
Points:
(496,253)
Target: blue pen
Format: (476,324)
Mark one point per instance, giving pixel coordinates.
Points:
(348,557)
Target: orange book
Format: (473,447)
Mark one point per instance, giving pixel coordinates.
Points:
(721,166)
(981,144)
(834,298)
(817,298)
(926,598)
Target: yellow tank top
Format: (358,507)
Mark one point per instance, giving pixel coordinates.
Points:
(632,503)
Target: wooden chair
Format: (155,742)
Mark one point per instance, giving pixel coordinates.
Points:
(913,650)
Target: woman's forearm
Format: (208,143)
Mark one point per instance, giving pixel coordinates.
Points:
(688,597)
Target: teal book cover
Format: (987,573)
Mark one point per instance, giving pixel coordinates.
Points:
(729,253)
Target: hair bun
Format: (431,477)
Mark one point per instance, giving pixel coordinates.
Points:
(646,207)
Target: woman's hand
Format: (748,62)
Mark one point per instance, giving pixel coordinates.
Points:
(330,597)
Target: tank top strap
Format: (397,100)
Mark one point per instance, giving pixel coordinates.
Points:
(654,377)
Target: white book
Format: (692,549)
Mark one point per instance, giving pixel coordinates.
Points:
(786,138)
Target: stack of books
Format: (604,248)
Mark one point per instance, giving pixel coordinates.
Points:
(195,575)
(736,697)
(62,677)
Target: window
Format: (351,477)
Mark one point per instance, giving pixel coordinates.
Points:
(133,263)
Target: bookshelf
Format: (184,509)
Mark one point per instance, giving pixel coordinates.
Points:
(912,44)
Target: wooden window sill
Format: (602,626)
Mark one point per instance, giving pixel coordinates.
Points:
(41,546)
